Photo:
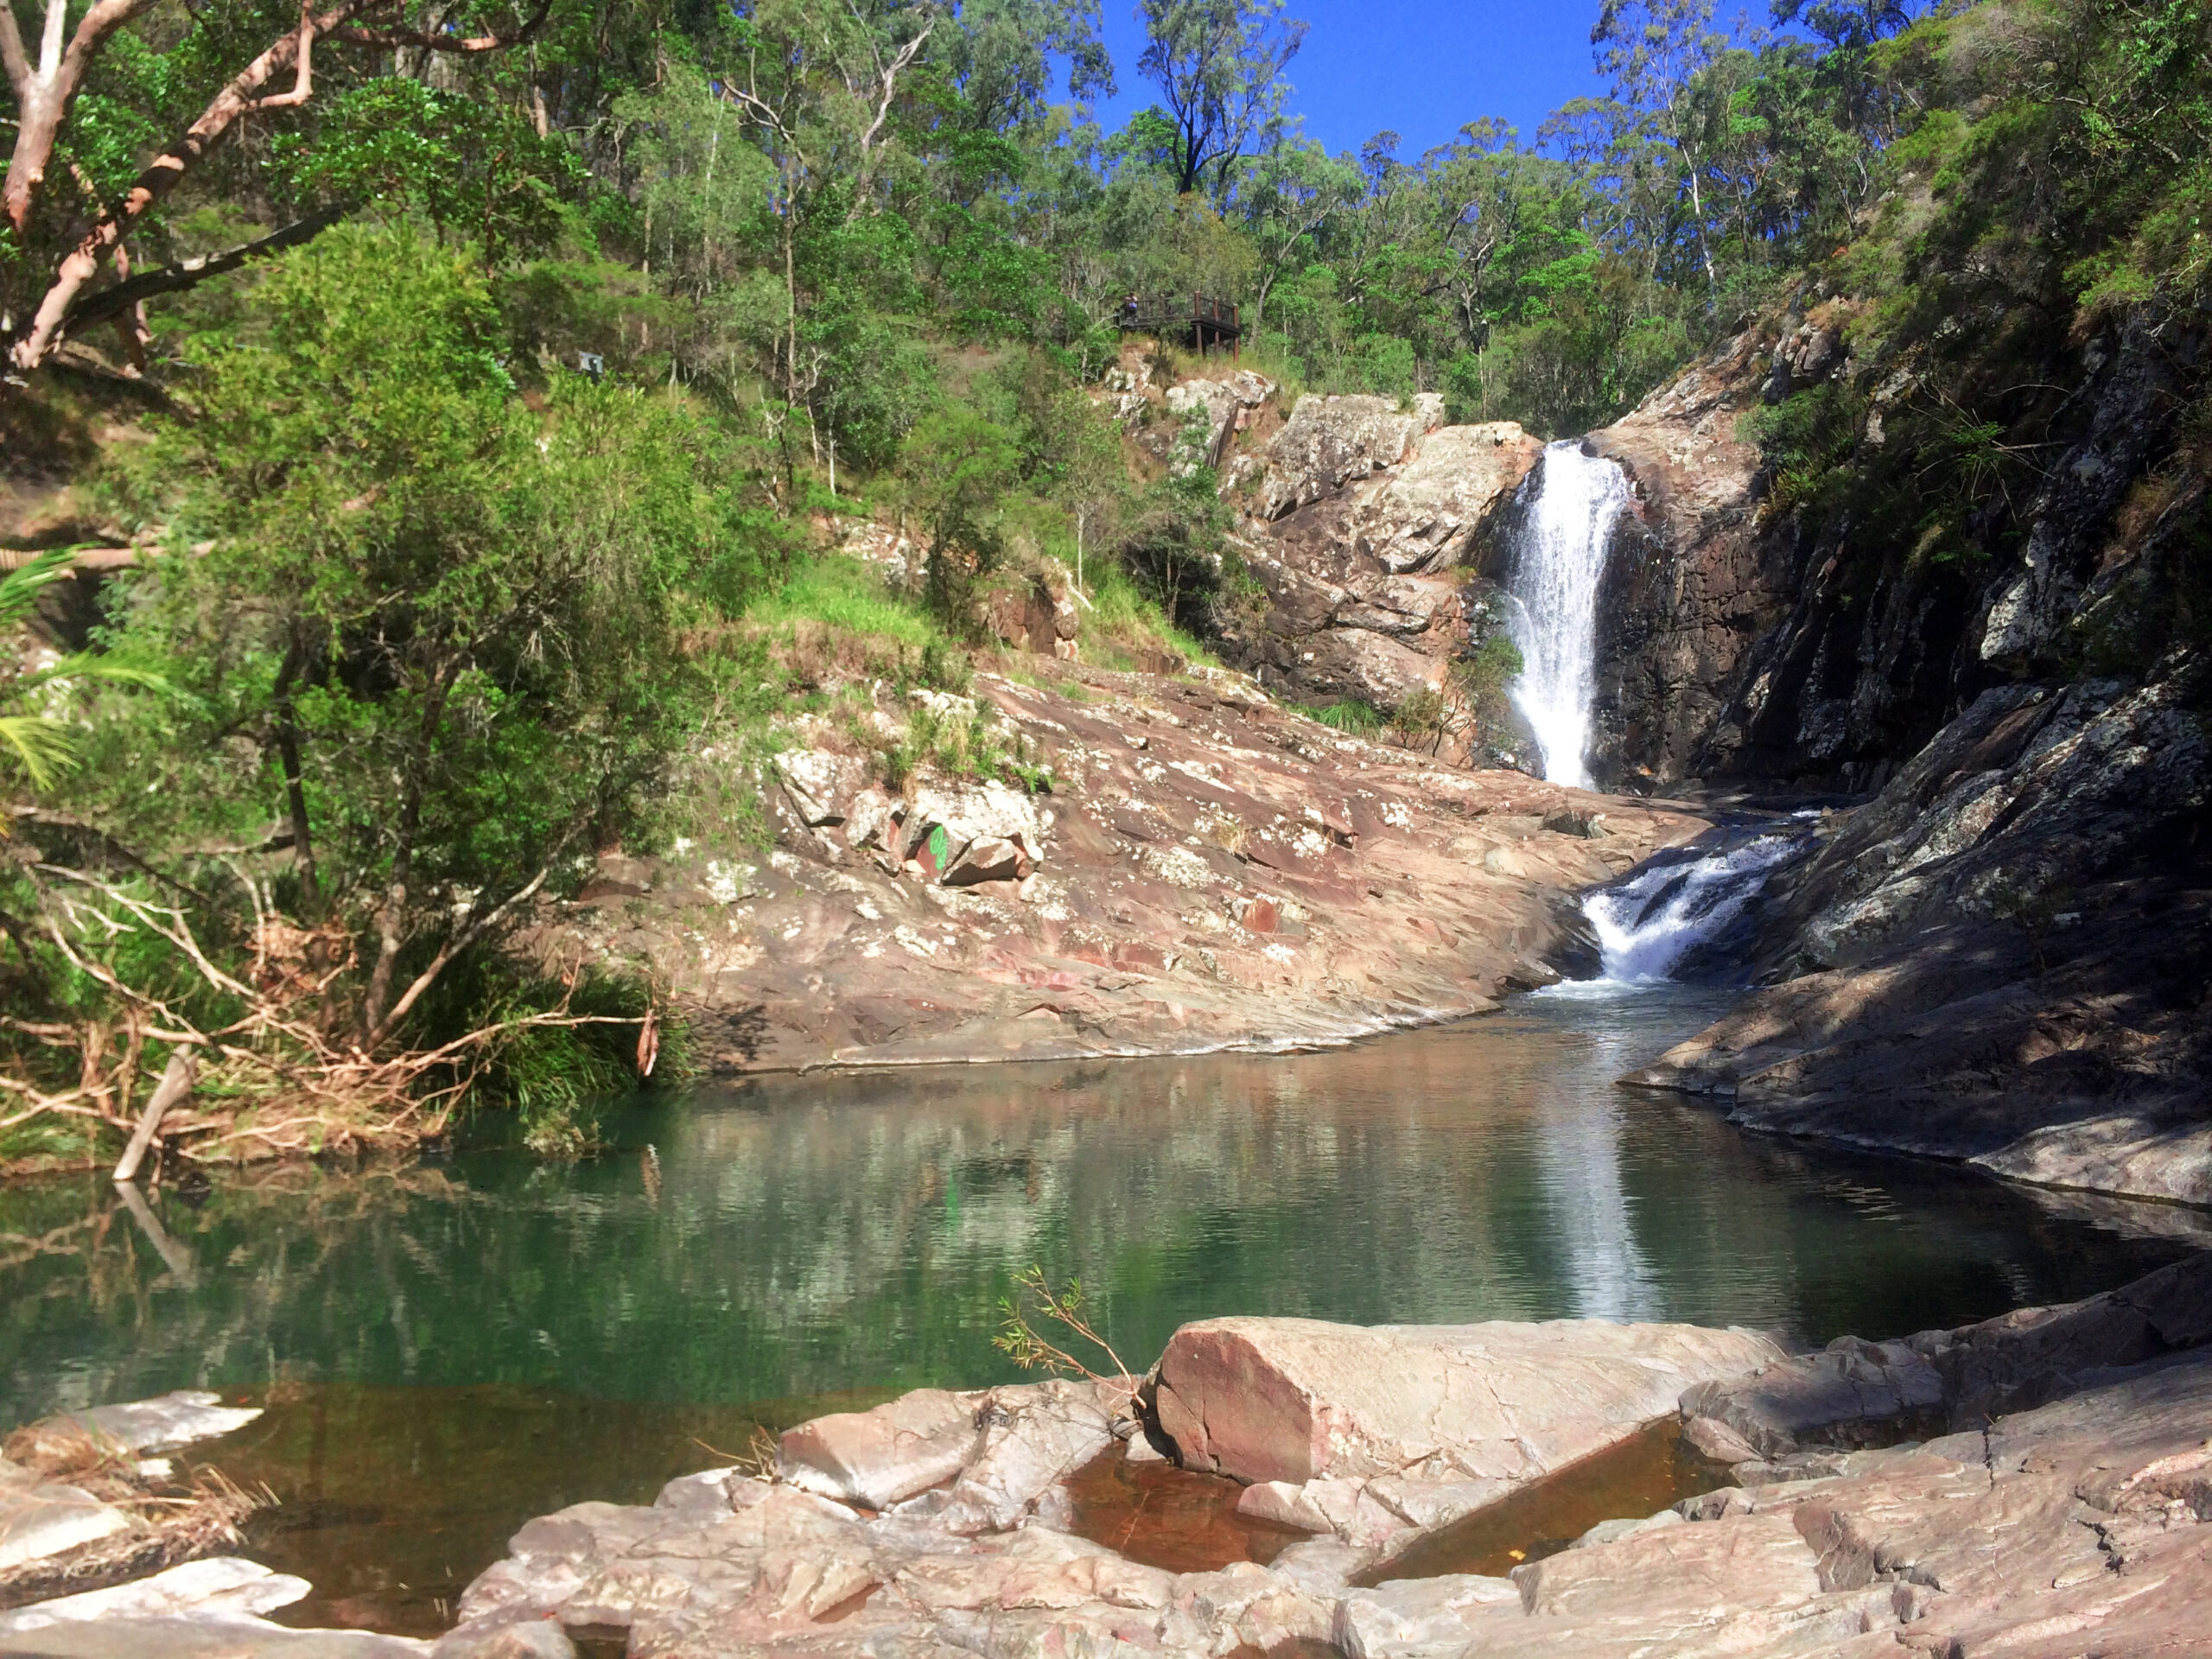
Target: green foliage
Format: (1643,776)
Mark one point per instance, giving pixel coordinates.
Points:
(36,742)
(474,170)
(451,621)
(1350,717)
(555,1078)
(958,466)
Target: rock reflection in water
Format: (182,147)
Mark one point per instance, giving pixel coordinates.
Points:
(1160,1515)
(800,1238)
(803,1236)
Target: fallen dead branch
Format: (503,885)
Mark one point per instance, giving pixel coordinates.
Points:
(285,1073)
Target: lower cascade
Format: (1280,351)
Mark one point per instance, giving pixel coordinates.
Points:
(1647,924)
(1557,563)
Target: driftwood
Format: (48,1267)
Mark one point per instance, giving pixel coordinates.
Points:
(177,1083)
(293,1079)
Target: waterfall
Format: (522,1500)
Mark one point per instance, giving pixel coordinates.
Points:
(1646,925)
(1557,562)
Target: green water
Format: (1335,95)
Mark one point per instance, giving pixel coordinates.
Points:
(499,1336)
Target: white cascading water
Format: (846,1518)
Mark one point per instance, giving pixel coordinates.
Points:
(1556,568)
(1649,923)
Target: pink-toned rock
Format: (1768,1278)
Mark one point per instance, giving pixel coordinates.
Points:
(1750,1560)
(1295,1400)
(876,1457)
(985,859)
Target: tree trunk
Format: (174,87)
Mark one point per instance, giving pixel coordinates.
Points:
(287,755)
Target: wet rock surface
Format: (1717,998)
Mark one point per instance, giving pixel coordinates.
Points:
(1207,871)
(2058,1507)
(2009,950)
(1692,585)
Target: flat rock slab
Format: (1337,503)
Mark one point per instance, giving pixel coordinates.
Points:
(203,1610)
(1296,1400)
(2077,1528)
(223,1586)
(1856,1394)
(47,1518)
(160,1424)
(204,1638)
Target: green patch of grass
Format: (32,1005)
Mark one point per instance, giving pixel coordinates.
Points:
(1124,625)
(843,593)
(1350,717)
(978,746)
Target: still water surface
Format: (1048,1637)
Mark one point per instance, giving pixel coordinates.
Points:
(452,1347)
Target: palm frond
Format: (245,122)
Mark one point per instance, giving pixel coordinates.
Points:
(41,746)
(92,665)
(20,588)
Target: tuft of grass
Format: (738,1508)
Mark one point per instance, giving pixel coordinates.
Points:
(976,747)
(1123,627)
(844,594)
(1350,717)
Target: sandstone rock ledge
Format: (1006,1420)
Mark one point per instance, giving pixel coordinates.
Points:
(935,1525)
(1209,870)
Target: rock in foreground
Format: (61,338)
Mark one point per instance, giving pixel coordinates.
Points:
(1369,1432)
(2074,1528)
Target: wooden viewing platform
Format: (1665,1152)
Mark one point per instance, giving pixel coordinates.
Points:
(1202,322)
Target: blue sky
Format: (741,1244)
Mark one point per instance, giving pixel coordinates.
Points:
(1422,67)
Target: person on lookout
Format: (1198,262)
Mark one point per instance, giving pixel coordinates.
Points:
(1129,310)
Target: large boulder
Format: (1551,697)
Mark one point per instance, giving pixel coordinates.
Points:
(936,830)
(876,1457)
(1330,442)
(1424,516)
(1417,1422)
(821,786)
(1227,405)
(1364,582)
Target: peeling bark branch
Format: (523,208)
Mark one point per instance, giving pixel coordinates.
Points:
(161,175)
(241,96)
(43,93)
(189,273)
(890,75)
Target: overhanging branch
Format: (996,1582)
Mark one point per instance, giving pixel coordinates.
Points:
(189,273)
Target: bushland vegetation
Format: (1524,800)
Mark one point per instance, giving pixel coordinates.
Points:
(440,421)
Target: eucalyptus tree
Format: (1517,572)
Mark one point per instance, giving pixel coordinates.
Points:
(1288,198)
(1219,68)
(90,102)
(1654,53)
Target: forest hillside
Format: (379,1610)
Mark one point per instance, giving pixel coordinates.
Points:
(451,446)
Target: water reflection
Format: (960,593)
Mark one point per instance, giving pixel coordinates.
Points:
(798,1236)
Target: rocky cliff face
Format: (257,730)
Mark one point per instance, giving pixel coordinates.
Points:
(1362,523)
(2002,955)
(1692,585)
(2005,957)
(1745,642)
